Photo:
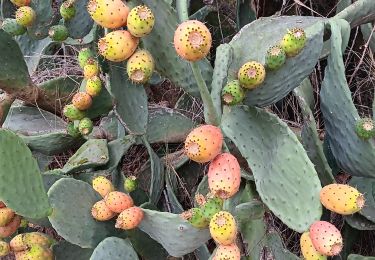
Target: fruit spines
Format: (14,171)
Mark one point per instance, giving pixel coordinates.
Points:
(73,113)
(308,250)
(342,199)
(67,10)
(102,185)
(326,238)
(118,201)
(195,217)
(228,252)
(251,74)
(110,14)
(101,212)
(192,40)
(275,57)
(130,218)
(93,86)
(140,21)
(25,16)
(233,93)
(140,66)
(58,33)
(223,228)
(82,101)
(85,126)
(365,128)
(293,41)
(12,27)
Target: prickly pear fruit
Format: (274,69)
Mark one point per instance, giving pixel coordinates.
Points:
(308,250)
(102,185)
(365,128)
(20,3)
(58,33)
(101,212)
(342,199)
(141,20)
(6,215)
(12,227)
(130,218)
(85,126)
(200,199)
(192,40)
(140,66)
(93,86)
(110,14)
(251,74)
(25,16)
(118,45)
(35,252)
(326,238)
(73,113)
(195,217)
(204,143)
(224,176)
(118,201)
(211,207)
(293,41)
(91,69)
(229,252)
(12,27)
(4,248)
(275,57)
(85,55)
(82,100)
(2,205)
(26,240)
(223,228)
(233,93)
(130,184)
(67,10)
(73,130)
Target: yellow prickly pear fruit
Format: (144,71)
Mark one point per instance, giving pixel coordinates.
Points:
(26,240)
(251,74)
(140,66)
(101,212)
(308,250)
(110,14)
(342,199)
(204,143)
(293,41)
(118,201)
(118,45)
(91,69)
(36,252)
(229,252)
(20,3)
(192,40)
(6,215)
(11,228)
(93,86)
(223,228)
(141,20)
(4,248)
(102,185)
(25,16)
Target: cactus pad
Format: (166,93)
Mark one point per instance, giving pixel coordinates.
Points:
(114,248)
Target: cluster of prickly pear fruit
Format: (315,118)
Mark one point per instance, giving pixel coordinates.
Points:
(115,203)
(34,245)
(9,221)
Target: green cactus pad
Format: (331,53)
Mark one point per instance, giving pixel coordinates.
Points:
(249,210)
(12,27)
(176,235)
(21,186)
(360,257)
(284,176)
(66,250)
(367,187)
(91,154)
(71,217)
(353,154)
(43,20)
(81,24)
(145,246)
(265,32)
(359,222)
(114,248)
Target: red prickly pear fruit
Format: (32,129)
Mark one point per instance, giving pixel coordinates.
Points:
(82,101)
(293,41)
(326,238)
(204,143)
(211,207)
(233,93)
(275,57)
(25,16)
(118,45)
(11,228)
(2,205)
(90,69)
(251,74)
(118,201)
(58,33)
(130,184)
(85,126)
(224,176)
(141,20)
(229,252)
(102,185)
(20,3)
(67,10)
(73,113)
(84,56)
(24,241)
(195,217)
(140,66)
(342,199)
(130,218)
(192,40)
(6,215)
(110,14)
(93,86)
(223,228)
(35,252)
(4,248)
(101,212)
(308,250)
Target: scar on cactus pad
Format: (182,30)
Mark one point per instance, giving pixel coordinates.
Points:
(326,238)
(25,16)
(223,228)
(204,143)
(365,128)
(293,41)
(308,250)
(110,14)
(141,20)
(275,57)
(192,40)
(233,93)
(229,252)
(251,74)
(140,66)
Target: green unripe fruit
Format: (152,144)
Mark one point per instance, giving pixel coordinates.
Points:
(195,217)
(58,33)
(12,27)
(84,55)
(67,10)
(85,126)
(233,93)
(275,57)
(73,113)
(4,248)
(25,16)
(93,86)
(211,207)
(365,128)
(251,74)
(140,66)
(73,130)
(130,184)
(293,41)
(140,21)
